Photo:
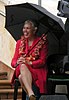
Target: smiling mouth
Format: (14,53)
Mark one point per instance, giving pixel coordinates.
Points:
(26,34)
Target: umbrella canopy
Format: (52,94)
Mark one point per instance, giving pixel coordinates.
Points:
(17,14)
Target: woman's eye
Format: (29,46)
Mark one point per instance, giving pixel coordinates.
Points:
(26,28)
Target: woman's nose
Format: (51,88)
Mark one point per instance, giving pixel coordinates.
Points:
(25,29)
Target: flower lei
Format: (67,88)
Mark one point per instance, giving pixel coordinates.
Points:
(22,46)
(35,54)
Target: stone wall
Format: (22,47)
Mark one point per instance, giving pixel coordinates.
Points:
(7,43)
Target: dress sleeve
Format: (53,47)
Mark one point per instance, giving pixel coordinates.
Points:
(42,59)
(16,55)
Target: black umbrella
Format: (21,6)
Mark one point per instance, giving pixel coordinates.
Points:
(17,14)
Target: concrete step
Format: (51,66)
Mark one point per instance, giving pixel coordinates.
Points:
(7,91)
(5,84)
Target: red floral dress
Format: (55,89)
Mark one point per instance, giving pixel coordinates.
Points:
(38,54)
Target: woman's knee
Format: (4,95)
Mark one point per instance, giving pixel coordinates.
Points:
(25,71)
(22,67)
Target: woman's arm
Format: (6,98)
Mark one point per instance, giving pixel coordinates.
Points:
(43,55)
(16,55)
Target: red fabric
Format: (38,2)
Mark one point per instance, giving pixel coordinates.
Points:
(39,69)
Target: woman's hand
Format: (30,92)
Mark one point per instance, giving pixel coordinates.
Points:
(28,62)
(21,60)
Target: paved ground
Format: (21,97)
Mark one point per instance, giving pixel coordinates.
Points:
(53,97)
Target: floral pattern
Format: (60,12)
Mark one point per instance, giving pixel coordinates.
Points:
(35,54)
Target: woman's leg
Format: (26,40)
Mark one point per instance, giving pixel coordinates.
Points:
(26,79)
(22,85)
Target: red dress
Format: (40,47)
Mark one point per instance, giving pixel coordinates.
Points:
(38,69)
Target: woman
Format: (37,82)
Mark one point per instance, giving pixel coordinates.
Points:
(30,58)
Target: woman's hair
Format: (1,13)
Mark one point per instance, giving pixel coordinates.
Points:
(34,23)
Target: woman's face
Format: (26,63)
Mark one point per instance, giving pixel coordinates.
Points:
(28,30)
